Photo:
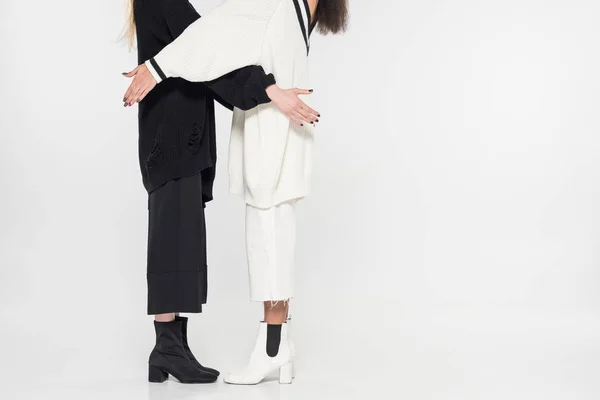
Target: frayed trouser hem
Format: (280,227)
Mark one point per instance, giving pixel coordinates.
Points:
(274,303)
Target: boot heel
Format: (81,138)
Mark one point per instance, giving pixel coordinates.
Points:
(286,373)
(156,375)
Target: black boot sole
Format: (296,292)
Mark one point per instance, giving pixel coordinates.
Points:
(158,375)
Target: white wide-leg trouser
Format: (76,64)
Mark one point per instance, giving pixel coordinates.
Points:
(270,247)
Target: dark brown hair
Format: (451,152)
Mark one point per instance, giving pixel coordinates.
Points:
(332,16)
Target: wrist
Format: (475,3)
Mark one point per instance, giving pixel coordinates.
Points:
(272,91)
(155,70)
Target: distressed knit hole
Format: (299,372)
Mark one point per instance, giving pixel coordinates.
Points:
(155,156)
(194,139)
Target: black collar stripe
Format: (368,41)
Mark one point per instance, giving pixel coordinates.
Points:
(302,24)
(308,17)
(313,23)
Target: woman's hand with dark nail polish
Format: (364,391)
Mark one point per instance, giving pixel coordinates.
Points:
(288,101)
(143,82)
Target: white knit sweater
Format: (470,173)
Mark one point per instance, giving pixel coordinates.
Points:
(269,156)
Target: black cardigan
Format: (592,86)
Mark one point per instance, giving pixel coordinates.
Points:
(177,118)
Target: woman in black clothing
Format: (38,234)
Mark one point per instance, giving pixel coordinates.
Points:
(177,157)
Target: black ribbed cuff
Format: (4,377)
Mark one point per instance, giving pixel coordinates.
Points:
(266,81)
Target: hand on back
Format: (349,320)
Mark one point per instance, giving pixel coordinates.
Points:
(288,100)
(143,82)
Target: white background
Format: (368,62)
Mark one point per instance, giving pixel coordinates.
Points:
(450,248)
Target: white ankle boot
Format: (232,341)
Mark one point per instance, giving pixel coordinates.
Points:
(291,344)
(261,364)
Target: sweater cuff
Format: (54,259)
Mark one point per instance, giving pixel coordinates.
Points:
(266,81)
(155,70)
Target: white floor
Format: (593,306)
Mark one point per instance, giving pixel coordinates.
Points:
(463,354)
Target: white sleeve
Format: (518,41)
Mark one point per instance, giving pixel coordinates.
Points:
(228,38)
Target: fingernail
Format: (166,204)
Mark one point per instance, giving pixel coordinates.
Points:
(311,90)
(301,124)
(124,73)
(319,115)
(317,120)
(124,104)
(124,99)
(312,122)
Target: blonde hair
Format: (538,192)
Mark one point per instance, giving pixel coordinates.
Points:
(128,34)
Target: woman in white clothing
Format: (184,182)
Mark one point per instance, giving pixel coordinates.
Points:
(270,152)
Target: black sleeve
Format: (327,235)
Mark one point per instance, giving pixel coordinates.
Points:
(243,88)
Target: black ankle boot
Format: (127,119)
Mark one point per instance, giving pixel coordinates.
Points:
(169,357)
(188,351)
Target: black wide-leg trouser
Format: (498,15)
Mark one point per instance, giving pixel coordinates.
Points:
(177,269)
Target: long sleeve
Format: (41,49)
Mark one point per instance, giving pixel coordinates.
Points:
(228,38)
(243,88)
